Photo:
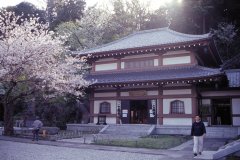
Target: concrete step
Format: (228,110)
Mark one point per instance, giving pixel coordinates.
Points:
(228,149)
(128,129)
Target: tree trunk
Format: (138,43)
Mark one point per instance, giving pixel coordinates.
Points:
(8,119)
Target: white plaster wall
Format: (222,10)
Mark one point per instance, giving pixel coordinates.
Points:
(177,60)
(123,94)
(109,120)
(177,92)
(236,106)
(236,121)
(206,101)
(105,67)
(187,105)
(152,93)
(112,102)
(122,65)
(105,94)
(95,119)
(177,121)
(155,62)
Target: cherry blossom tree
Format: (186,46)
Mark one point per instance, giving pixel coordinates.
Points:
(32,58)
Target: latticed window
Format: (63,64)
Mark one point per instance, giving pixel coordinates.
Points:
(105,107)
(139,64)
(177,107)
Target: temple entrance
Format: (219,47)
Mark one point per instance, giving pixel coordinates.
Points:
(139,111)
(221,109)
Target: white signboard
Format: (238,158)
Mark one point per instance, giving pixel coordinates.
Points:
(124,115)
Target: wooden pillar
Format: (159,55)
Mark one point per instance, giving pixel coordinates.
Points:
(160,60)
(194,103)
(118,63)
(93,67)
(160,106)
(91,102)
(118,99)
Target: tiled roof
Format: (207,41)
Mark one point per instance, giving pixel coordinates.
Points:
(154,37)
(233,76)
(232,63)
(173,73)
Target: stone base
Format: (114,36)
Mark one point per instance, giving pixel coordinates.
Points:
(89,128)
(212,132)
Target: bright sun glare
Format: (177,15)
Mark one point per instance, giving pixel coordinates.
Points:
(155,4)
(165,2)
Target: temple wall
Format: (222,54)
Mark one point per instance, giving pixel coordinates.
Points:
(187,105)
(106,94)
(206,101)
(177,121)
(236,111)
(208,94)
(152,93)
(105,59)
(109,120)
(98,102)
(107,66)
(140,56)
(148,93)
(177,92)
(176,60)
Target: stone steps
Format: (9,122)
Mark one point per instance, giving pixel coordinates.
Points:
(128,130)
(228,149)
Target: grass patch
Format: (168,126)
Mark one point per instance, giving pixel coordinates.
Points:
(152,142)
(232,158)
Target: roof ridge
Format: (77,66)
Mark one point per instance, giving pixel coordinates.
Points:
(172,31)
(188,35)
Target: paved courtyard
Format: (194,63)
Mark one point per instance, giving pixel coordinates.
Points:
(23,151)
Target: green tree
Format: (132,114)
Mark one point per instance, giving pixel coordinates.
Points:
(87,32)
(226,37)
(27,10)
(60,11)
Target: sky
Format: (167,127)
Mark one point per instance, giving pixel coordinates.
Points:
(42,3)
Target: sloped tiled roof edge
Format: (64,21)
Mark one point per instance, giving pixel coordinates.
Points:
(229,64)
(95,50)
(187,72)
(233,76)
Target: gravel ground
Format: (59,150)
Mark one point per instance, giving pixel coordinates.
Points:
(23,151)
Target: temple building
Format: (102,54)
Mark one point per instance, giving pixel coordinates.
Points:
(162,77)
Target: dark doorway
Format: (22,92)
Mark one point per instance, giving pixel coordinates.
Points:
(1,112)
(221,109)
(139,111)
